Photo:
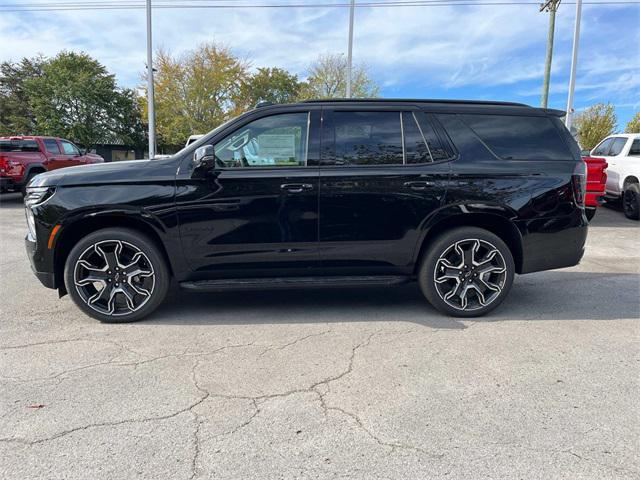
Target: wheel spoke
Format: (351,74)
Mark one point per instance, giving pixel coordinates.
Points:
(103,295)
(447,271)
(95,274)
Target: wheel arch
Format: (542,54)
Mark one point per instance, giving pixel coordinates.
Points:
(629,179)
(71,233)
(497,224)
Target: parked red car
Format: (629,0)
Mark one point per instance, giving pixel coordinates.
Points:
(596,182)
(22,157)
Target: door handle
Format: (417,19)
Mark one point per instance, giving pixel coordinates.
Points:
(296,187)
(418,185)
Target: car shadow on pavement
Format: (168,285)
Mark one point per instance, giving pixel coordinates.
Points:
(555,295)
(11,200)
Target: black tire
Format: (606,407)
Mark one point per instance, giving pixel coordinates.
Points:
(482,289)
(120,260)
(590,212)
(631,201)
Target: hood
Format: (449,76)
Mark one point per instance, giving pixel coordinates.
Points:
(131,171)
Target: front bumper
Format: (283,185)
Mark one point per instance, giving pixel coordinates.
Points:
(39,263)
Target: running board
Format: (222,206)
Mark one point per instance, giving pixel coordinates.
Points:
(231,284)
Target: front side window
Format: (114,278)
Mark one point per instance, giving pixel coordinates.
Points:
(69,148)
(515,137)
(603,148)
(275,141)
(368,138)
(634,151)
(51,145)
(617,145)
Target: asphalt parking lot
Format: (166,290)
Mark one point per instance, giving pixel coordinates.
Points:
(357,383)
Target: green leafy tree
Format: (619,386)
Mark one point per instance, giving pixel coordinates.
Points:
(327,78)
(270,85)
(16,114)
(196,92)
(634,124)
(595,123)
(76,98)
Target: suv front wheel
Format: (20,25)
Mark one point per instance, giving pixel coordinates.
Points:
(467,272)
(116,275)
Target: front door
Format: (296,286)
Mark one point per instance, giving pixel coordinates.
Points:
(382,173)
(256,214)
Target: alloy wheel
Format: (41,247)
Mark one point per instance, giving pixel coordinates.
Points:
(114,277)
(470,274)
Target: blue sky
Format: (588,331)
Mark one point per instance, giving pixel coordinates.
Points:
(474,52)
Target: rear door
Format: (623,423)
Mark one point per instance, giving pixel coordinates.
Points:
(256,214)
(383,171)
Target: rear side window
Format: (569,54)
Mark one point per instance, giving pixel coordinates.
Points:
(415,145)
(516,137)
(19,146)
(616,146)
(368,138)
(51,145)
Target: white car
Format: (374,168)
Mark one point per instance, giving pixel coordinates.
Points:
(622,153)
(193,138)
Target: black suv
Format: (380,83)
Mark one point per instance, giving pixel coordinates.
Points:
(457,195)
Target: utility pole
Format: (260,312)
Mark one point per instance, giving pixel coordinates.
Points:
(552,7)
(150,105)
(574,64)
(350,50)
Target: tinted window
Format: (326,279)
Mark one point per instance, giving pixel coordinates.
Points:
(519,137)
(19,146)
(634,151)
(617,146)
(51,145)
(436,148)
(415,145)
(603,148)
(69,148)
(275,141)
(367,138)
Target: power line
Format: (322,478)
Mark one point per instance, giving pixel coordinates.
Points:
(227,4)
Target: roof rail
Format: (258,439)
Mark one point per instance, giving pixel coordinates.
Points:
(417,100)
(264,104)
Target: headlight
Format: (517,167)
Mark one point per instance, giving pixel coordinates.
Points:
(38,195)
(35,196)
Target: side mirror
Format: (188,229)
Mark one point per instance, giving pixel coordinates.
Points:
(204,159)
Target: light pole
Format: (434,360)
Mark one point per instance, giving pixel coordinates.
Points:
(552,7)
(350,50)
(574,63)
(150,105)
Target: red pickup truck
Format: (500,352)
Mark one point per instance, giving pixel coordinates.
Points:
(22,157)
(596,182)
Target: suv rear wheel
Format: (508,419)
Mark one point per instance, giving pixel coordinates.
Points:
(116,275)
(467,272)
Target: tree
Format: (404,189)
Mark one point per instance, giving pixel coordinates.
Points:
(270,85)
(634,124)
(16,115)
(196,92)
(595,123)
(327,78)
(76,98)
